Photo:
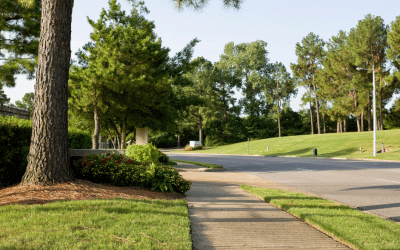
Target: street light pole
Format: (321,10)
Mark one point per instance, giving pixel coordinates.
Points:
(374,104)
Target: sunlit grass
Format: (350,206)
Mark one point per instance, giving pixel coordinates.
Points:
(344,145)
(96,224)
(362,230)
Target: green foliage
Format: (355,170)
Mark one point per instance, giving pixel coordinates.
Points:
(248,62)
(19,39)
(165,178)
(79,139)
(188,148)
(162,139)
(198,147)
(27,102)
(392,120)
(143,153)
(122,171)
(163,158)
(15,137)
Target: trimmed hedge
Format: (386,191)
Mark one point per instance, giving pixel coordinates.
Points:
(15,140)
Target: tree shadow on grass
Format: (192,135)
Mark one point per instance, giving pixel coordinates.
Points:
(342,152)
(294,152)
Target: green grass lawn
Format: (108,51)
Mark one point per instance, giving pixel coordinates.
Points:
(344,145)
(96,224)
(202,164)
(358,229)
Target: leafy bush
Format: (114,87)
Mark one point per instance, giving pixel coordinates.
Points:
(121,171)
(143,153)
(15,138)
(163,158)
(198,147)
(188,148)
(79,139)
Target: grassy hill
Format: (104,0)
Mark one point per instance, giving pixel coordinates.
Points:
(345,145)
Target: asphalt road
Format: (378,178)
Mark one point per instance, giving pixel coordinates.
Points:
(367,185)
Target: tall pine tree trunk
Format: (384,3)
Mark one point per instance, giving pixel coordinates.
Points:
(312,121)
(96,132)
(48,159)
(362,121)
(317,109)
(380,106)
(369,113)
(179,141)
(279,121)
(200,129)
(358,123)
(323,122)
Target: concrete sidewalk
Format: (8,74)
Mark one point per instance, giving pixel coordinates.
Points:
(224,216)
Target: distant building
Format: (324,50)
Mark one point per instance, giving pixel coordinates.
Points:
(6,110)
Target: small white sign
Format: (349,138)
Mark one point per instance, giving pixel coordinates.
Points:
(194,143)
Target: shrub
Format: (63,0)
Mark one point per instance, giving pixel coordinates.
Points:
(15,138)
(163,158)
(198,147)
(188,148)
(121,171)
(143,153)
(79,139)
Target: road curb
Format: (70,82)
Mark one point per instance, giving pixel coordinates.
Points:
(288,156)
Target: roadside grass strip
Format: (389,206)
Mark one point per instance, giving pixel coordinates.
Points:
(202,164)
(344,145)
(96,224)
(355,228)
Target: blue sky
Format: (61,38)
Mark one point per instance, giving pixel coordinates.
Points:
(281,24)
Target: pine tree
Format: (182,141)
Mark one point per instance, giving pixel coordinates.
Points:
(310,54)
(20,28)
(368,44)
(278,90)
(48,158)
(201,94)
(48,163)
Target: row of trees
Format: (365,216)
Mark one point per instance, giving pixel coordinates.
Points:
(334,86)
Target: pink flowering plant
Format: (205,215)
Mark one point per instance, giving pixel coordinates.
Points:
(121,171)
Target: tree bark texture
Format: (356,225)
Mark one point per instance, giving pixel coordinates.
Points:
(358,123)
(337,127)
(48,158)
(96,132)
(369,113)
(123,135)
(312,121)
(380,109)
(362,121)
(317,109)
(200,129)
(344,126)
(323,122)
